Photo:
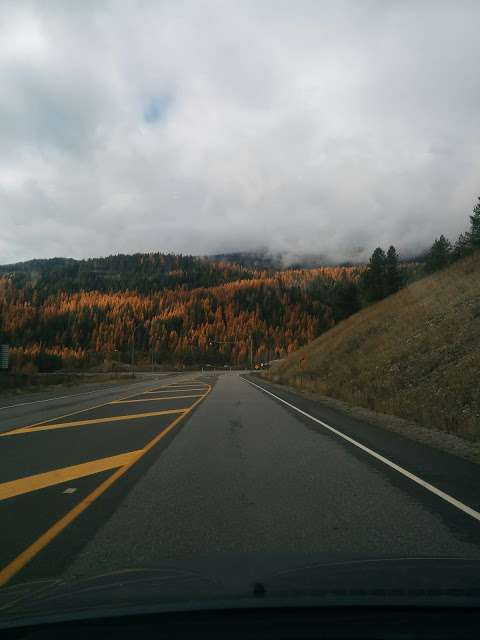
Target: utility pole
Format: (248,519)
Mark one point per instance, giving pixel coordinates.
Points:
(251,351)
(133,353)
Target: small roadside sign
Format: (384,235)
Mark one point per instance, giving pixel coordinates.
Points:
(3,356)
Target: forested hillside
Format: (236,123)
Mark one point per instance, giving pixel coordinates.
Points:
(144,273)
(185,310)
(64,314)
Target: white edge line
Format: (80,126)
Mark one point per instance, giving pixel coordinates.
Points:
(426,485)
(74,395)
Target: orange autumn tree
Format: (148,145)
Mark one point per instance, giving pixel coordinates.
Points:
(278,310)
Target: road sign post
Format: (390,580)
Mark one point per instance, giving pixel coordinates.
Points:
(4,354)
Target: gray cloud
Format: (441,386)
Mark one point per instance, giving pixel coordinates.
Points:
(317,127)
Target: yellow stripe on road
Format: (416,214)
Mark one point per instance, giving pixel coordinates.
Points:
(185,384)
(173,390)
(153,399)
(17,564)
(81,423)
(194,384)
(72,413)
(57,476)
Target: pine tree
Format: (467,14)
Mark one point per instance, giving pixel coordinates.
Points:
(393,277)
(462,247)
(374,277)
(470,240)
(346,299)
(474,234)
(439,254)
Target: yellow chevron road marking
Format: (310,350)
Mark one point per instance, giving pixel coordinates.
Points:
(153,399)
(173,390)
(81,423)
(17,564)
(57,476)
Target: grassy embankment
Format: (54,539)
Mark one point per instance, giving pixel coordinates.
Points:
(415,355)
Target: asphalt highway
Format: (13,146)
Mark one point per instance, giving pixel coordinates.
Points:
(28,407)
(178,468)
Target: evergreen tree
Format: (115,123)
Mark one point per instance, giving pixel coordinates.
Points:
(462,247)
(393,277)
(374,277)
(438,255)
(474,235)
(470,240)
(346,301)
(340,294)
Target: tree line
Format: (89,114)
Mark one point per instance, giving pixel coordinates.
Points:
(182,310)
(145,273)
(443,252)
(384,275)
(277,313)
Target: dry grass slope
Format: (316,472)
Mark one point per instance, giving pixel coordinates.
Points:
(415,355)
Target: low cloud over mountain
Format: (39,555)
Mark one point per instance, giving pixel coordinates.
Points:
(209,127)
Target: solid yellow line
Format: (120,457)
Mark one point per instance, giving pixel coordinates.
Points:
(153,399)
(72,413)
(7,573)
(179,384)
(81,423)
(171,390)
(184,384)
(57,476)
(197,388)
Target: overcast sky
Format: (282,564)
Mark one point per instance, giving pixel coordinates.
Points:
(209,126)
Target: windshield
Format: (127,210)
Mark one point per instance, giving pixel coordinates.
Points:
(239,304)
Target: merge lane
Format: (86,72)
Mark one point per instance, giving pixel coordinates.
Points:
(29,408)
(50,469)
(31,514)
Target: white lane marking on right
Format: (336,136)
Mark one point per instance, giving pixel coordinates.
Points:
(426,485)
(70,490)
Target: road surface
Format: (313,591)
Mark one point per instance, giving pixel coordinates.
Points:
(214,466)
(28,407)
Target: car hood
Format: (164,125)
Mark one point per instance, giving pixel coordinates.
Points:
(245,581)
